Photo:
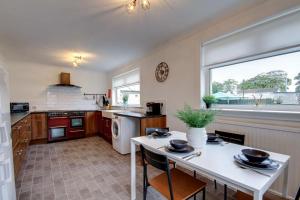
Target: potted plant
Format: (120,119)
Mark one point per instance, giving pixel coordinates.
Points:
(196,121)
(209,100)
(125,100)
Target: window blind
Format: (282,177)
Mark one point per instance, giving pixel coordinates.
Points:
(278,33)
(127,78)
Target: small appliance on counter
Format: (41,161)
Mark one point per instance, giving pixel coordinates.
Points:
(154,108)
(19,107)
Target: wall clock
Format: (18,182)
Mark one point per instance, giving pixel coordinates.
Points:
(162,72)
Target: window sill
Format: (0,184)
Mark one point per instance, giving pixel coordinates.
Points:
(259,114)
(128,106)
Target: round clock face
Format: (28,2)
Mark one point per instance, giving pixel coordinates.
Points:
(162,72)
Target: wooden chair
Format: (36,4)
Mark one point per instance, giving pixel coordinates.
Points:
(243,196)
(173,184)
(231,138)
(149,131)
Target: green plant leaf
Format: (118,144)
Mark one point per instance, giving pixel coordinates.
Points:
(195,118)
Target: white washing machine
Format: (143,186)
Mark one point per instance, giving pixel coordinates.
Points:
(124,128)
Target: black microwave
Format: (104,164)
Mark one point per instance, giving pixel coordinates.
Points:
(19,107)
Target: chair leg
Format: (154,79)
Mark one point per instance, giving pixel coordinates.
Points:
(225,192)
(145,189)
(145,193)
(215,181)
(203,193)
(145,183)
(174,164)
(195,174)
(195,197)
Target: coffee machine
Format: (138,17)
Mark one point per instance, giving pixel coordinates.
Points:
(154,108)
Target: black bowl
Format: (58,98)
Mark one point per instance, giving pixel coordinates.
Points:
(255,156)
(212,136)
(178,144)
(161,132)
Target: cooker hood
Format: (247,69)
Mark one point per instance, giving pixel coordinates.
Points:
(65,81)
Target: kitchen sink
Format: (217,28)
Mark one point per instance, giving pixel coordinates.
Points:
(110,113)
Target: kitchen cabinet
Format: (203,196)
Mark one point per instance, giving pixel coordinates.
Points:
(21,136)
(104,127)
(100,123)
(158,122)
(91,123)
(39,126)
(107,130)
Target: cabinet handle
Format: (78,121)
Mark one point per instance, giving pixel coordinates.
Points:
(20,152)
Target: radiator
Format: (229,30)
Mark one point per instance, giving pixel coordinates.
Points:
(277,136)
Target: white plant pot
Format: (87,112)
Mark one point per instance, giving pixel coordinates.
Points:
(196,137)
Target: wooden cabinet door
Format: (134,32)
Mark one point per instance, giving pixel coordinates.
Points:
(25,131)
(91,123)
(15,135)
(39,126)
(107,130)
(17,159)
(100,123)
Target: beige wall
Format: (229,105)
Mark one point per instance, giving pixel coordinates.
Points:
(183,84)
(183,58)
(30,81)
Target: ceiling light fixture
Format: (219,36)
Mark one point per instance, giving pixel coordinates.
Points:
(76,61)
(131,5)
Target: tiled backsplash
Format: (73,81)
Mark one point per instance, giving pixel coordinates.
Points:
(63,98)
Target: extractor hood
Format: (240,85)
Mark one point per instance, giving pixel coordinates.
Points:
(65,81)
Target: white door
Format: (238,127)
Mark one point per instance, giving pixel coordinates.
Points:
(7,183)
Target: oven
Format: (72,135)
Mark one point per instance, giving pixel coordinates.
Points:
(58,126)
(77,124)
(57,133)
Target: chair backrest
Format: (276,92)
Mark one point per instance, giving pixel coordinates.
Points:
(149,131)
(298,195)
(231,137)
(156,160)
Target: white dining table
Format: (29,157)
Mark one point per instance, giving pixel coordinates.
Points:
(217,162)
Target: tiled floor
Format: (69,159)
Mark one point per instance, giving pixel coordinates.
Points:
(83,169)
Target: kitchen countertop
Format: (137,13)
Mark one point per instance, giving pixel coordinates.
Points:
(16,117)
(136,115)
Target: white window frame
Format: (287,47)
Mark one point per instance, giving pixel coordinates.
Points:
(114,89)
(206,76)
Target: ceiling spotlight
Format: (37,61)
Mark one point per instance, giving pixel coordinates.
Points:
(131,5)
(76,61)
(145,4)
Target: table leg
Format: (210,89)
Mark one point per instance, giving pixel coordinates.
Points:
(258,196)
(133,171)
(285,181)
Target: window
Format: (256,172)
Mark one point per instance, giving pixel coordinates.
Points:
(267,81)
(126,85)
(256,65)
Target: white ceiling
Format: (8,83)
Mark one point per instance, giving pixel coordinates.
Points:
(47,31)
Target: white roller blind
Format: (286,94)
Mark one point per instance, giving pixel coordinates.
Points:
(275,34)
(126,78)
